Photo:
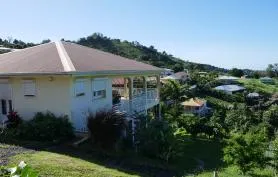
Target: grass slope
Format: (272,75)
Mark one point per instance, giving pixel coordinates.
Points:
(233,171)
(256,85)
(53,164)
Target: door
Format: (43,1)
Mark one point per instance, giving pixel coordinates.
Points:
(81,104)
(5,100)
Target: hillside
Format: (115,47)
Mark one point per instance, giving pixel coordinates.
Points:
(132,50)
(139,52)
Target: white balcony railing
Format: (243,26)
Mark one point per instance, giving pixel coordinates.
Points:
(140,102)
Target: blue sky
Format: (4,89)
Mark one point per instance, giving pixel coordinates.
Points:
(225,33)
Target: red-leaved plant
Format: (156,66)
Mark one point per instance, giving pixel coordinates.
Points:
(13,119)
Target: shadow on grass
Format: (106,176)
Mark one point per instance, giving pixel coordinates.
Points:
(199,153)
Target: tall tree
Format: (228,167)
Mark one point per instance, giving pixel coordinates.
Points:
(172,90)
(246,151)
(236,72)
(272,70)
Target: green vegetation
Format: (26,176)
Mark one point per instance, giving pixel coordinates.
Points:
(42,127)
(58,165)
(232,171)
(256,86)
(21,170)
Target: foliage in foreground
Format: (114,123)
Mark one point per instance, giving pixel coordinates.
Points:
(247,151)
(22,170)
(106,127)
(159,140)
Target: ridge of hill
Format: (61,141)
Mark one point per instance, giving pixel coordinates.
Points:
(133,50)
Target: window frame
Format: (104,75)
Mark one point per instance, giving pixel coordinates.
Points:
(96,91)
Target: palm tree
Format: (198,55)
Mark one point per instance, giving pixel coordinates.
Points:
(173,90)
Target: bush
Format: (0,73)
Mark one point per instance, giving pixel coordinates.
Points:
(106,127)
(46,127)
(160,140)
(246,151)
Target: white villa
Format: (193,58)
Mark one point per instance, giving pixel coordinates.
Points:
(73,80)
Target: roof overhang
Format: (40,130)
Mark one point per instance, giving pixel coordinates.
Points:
(91,73)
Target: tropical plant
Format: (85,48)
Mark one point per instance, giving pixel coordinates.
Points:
(270,117)
(107,127)
(159,140)
(13,119)
(21,170)
(246,151)
(172,90)
(191,123)
(275,154)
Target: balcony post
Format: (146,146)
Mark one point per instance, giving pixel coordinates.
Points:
(130,93)
(158,86)
(125,88)
(145,88)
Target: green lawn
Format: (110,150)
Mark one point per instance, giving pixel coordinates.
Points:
(233,171)
(84,161)
(255,84)
(56,165)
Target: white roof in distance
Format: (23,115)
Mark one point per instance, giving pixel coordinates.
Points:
(229,88)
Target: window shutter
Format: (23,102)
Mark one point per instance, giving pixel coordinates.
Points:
(29,88)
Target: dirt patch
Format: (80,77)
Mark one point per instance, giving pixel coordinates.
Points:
(7,151)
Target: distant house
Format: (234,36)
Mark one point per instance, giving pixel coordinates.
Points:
(179,76)
(182,76)
(228,79)
(70,79)
(195,106)
(253,95)
(267,80)
(167,72)
(230,89)
(167,78)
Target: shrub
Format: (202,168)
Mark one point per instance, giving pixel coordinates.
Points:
(160,140)
(246,151)
(106,127)
(46,127)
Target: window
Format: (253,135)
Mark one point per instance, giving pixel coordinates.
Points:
(29,88)
(79,88)
(99,94)
(99,88)
(10,105)
(4,106)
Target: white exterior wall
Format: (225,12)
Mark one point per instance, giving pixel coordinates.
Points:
(50,96)
(81,106)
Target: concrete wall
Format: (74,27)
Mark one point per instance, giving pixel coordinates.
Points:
(50,95)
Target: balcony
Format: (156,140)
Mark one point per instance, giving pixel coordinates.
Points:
(140,101)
